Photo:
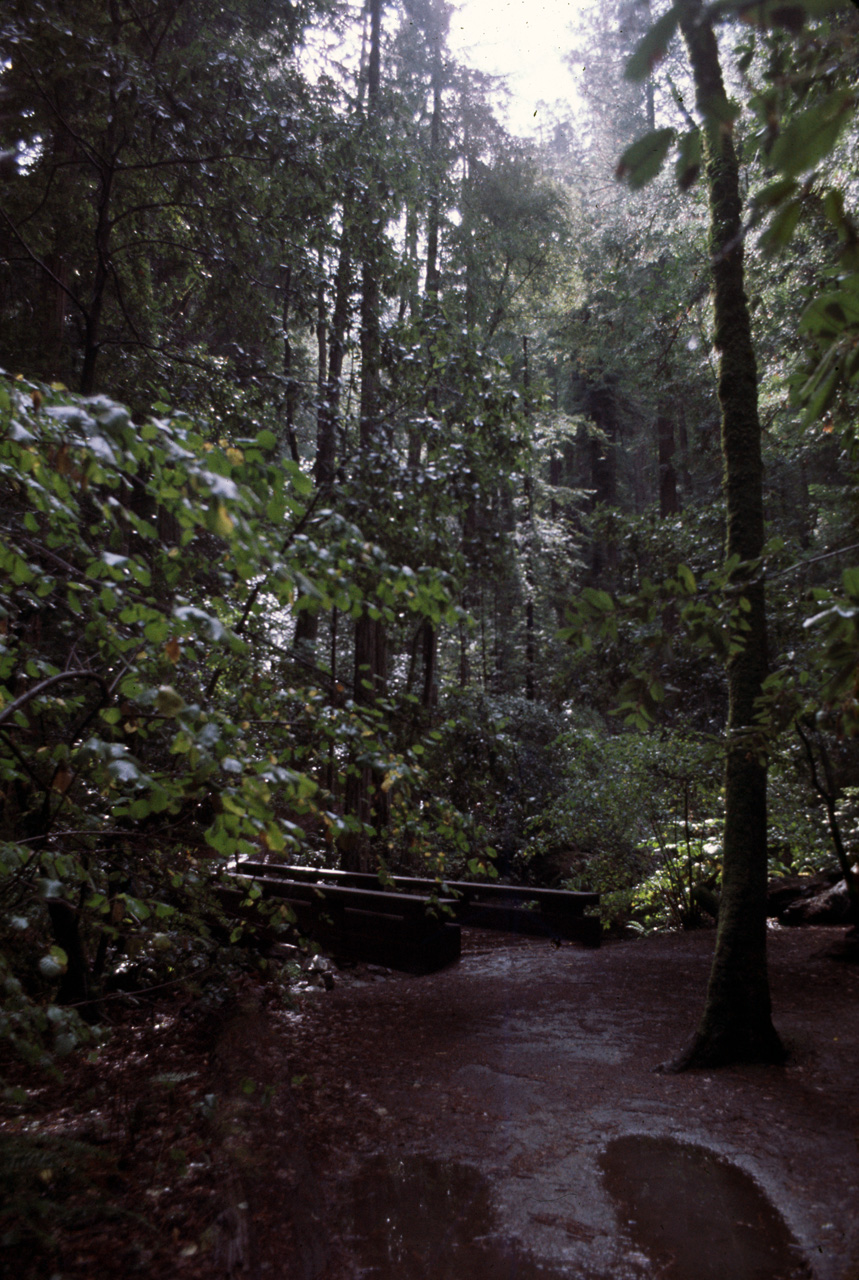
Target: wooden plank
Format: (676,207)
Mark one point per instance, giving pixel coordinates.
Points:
(413,944)
(516,908)
(371,899)
(570,899)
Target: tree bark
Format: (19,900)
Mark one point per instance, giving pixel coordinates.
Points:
(370,638)
(737,1022)
(328,414)
(92,321)
(288,372)
(530,633)
(601,407)
(669,502)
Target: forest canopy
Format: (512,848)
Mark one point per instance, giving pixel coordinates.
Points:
(362,469)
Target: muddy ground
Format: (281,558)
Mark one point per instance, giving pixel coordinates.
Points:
(532,1067)
(501,1118)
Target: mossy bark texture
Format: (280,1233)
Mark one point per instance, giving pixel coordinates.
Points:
(737,1021)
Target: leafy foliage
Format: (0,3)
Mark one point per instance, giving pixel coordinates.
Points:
(634,818)
(146,740)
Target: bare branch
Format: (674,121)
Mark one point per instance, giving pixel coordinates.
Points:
(62,678)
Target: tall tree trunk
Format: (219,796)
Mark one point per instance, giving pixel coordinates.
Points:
(409,295)
(307,622)
(328,412)
(601,406)
(371,338)
(669,501)
(683,441)
(288,371)
(370,638)
(434,200)
(432,277)
(530,539)
(92,321)
(429,692)
(737,1021)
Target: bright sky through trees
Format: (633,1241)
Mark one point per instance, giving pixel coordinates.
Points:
(526,41)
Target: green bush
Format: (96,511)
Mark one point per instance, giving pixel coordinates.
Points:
(153,726)
(634,820)
(492,761)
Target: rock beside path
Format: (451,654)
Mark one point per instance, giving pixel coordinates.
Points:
(819,899)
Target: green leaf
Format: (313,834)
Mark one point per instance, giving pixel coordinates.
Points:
(652,47)
(54,963)
(820,390)
(220,521)
(810,136)
(643,160)
(830,314)
(21,572)
(157,630)
(775,192)
(688,164)
(781,227)
(302,483)
(124,770)
(599,599)
(276,508)
(168,701)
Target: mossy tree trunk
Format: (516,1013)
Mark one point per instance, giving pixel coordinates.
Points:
(737,1021)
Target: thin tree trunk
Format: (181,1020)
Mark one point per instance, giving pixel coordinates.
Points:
(329,401)
(330,770)
(291,385)
(530,635)
(370,639)
(737,1021)
(92,321)
(76,987)
(669,501)
(602,409)
(428,695)
(409,286)
(683,440)
(432,279)
(371,340)
(434,201)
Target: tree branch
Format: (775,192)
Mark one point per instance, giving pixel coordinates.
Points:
(62,678)
(43,266)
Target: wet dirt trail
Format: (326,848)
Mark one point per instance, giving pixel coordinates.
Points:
(503,1118)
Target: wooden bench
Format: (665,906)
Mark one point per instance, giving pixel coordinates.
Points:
(398,930)
(557,913)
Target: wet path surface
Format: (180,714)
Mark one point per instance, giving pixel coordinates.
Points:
(695,1214)
(503,1118)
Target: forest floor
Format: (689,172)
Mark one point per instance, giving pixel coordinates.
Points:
(502,1118)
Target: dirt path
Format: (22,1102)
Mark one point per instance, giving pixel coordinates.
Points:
(499,1120)
(503,1117)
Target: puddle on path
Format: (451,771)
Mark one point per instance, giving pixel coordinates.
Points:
(419,1219)
(696,1215)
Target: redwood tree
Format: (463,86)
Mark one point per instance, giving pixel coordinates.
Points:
(736,1024)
